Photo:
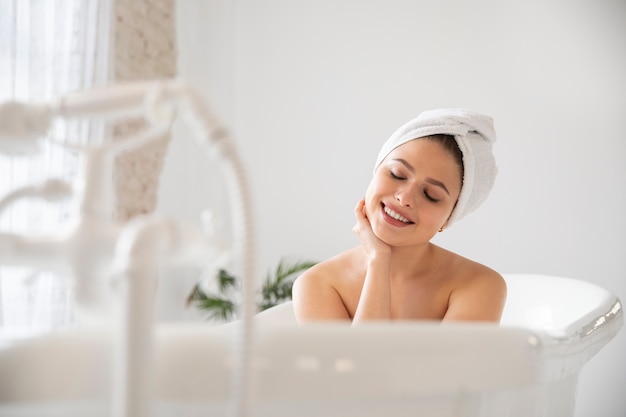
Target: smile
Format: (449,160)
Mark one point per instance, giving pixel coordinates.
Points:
(396,216)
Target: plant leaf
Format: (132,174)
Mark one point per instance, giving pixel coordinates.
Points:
(226,281)
(284,270)
(216,307)
(277,288)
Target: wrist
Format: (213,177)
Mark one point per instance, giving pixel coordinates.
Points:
(382,256)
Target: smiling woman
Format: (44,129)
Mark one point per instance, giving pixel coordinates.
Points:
(419,188)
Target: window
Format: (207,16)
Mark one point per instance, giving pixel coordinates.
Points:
(47,48)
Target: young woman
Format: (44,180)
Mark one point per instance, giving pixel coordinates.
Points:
(429,174)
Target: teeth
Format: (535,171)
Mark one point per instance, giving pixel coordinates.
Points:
(396,216)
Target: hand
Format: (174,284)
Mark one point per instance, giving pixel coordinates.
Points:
(363,230)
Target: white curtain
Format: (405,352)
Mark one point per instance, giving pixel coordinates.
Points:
(47,48)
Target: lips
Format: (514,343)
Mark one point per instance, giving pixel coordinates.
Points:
(395,217)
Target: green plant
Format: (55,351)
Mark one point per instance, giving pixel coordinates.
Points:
(276,289)
(219,306)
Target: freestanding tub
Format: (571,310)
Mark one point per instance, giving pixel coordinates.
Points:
(527,366)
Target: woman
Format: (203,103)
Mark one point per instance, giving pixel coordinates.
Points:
(429,174)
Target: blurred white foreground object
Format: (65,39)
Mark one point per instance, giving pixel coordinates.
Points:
(527,366)
(112,268)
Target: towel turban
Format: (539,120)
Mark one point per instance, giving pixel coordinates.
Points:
(474,134)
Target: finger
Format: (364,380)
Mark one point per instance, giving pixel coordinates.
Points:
(359,205)
(365,211)
(359,210)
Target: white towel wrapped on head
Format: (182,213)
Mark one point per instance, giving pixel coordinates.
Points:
(475,136)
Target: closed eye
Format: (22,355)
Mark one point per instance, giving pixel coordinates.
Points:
(395,176)
(430,198)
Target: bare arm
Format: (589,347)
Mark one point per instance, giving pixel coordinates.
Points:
(375,299)
(481,299)
(314,298)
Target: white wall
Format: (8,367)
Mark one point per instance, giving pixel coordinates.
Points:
(312,89)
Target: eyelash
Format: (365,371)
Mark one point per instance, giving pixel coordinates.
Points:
(426,195)
(429,198)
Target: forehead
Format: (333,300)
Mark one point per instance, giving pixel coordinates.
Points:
(428,158)
(422,149)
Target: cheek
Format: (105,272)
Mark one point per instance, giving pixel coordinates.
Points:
(371,195)
(442,215)
(369,189)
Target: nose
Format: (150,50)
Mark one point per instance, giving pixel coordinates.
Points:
(404,197)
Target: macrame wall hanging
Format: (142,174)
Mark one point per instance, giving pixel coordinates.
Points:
(145,48)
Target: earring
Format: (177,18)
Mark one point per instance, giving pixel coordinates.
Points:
(441,229)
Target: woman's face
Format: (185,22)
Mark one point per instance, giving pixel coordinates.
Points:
(412,193)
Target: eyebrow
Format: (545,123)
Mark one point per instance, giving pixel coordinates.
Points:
(438,183)
(427,179)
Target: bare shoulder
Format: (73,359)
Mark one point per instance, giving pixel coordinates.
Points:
(477,293)
(317,292)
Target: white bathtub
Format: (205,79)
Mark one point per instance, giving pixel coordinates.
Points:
(528,366)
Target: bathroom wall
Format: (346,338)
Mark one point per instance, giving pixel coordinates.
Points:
(310,91)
